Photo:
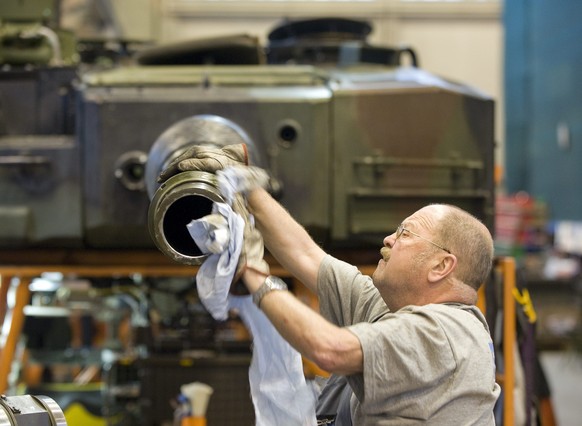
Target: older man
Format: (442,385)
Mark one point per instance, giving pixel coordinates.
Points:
(430,358)
(409,340)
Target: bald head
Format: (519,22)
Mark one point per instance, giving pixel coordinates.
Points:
(468,239)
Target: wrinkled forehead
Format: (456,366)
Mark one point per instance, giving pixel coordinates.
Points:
(425,219)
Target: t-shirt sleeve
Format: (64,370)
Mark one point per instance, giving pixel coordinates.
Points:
(346,296)
(404,353)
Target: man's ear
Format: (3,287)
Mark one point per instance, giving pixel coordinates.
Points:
(442,267)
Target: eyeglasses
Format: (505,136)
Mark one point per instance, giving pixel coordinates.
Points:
(401,230)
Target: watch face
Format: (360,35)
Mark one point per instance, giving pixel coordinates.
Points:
(271,283)
(275,283)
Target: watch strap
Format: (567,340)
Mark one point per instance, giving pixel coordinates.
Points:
(271,283)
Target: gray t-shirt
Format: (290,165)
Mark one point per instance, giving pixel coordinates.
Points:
(422,364)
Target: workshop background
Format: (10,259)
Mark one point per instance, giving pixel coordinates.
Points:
(86,337)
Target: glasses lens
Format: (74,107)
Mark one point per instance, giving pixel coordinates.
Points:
(399,231)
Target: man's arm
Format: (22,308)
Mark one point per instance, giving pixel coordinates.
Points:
(286,239)
(332,348)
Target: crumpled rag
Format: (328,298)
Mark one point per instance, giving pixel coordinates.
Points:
(280,393)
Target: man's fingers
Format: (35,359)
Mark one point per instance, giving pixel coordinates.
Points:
(209,164)
(166,174)
(237,153)
(199,158)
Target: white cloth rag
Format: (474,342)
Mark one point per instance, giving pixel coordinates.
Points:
(240,179)
(216,273)
(280,393)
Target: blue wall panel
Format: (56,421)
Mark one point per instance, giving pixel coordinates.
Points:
(543,86)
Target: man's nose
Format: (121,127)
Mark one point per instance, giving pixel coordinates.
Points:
(389,240)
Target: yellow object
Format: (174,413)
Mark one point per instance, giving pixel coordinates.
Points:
(525,301)
(76,414)
(9,349)
(193,421)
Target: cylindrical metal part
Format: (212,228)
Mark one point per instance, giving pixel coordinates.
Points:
(181,199)
(29,410)
(188,195)
(204,130)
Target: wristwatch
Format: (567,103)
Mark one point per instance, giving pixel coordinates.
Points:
(270,284)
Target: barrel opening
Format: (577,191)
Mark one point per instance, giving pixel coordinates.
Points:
(179,214)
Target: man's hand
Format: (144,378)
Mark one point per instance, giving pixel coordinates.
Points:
(234,183)
(241,180)
(253,249)
(206,159)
